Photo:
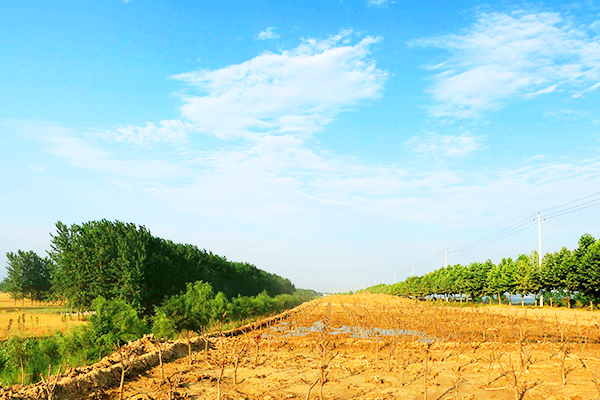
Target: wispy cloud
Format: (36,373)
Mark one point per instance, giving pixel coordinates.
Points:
(589,89)
(166,131)
(446,145)
(549,89)
(377,3)
(299,90)
(83,154)
(508,55)
(268,33)
(37,168)
(296,91)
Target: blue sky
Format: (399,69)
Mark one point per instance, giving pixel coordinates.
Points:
(333,143)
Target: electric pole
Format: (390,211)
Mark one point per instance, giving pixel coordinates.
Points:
(540,251)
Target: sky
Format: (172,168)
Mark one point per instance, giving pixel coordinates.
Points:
(335,143)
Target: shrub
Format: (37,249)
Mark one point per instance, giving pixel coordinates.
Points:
(114,322)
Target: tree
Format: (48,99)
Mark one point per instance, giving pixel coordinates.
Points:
(123,260)
(500,278)
(554,271)
(458,277)
(526,275)
(114,322)
(589,271)
(477,278)
(192,311)
(28,276)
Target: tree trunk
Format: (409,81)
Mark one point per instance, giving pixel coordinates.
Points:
(499,299)
(22,370)
(550,300)
(568,299)
(122,384)
(522,300)
(591,305)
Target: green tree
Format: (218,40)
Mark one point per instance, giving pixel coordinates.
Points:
(527,275)
(192,311)
(554,274)
(114,322)
(477,278)
(123,260)
(19,352)
(589,271)
(28,276)
(500,279)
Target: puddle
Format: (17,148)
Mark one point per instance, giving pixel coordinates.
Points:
(354,331)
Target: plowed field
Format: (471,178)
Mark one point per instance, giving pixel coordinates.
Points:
(382,347)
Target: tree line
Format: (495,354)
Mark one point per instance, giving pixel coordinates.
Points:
(113,259)
(564,273)
(135,283)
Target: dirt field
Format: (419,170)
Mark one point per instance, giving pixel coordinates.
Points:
(40,319)
(383,347)
(437,353)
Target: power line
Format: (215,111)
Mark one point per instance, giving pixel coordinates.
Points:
(500,233)
(571,202)
(575,205)
(558,214)
(530,224)
(430,260)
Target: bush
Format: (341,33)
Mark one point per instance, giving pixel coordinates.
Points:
(192,310)
(114,323)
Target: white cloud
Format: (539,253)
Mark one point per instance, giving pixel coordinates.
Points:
(299,90)
(507,55)
(167,131)
(549,89)
(377,3)
(268,33)
(37,168)
(80,153)
(564,114)
(589,89)
(293,92)
(447,145)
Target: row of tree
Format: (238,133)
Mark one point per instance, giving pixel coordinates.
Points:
(576,271)
(112,259)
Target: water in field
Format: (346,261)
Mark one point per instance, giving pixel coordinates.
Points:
(515,299)
(354,331)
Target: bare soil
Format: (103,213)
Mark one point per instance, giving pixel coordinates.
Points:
(378,347)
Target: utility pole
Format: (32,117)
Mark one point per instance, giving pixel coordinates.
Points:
(446,256)
(540,251)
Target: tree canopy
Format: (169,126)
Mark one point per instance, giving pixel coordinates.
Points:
(125,261)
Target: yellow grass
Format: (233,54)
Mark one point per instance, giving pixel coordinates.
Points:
(40,319)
